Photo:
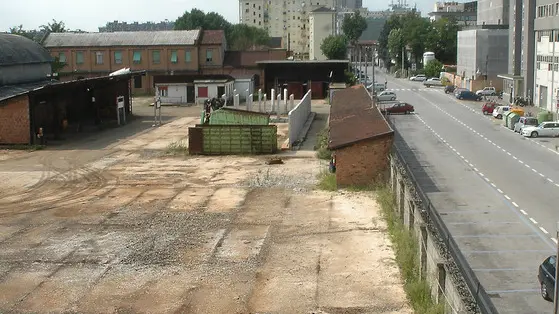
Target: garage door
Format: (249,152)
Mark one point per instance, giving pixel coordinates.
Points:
(203,92)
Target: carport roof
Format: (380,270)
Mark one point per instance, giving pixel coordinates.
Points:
(11,91)
(353,118)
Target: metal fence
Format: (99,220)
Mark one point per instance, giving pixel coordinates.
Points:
(481,297)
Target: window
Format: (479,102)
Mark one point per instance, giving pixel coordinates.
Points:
(79,57)
(188,56)
(156,57)
(549,66)
(209,55)
(137,58)
(174,57)
(99,57)
(61,57)
(118,57)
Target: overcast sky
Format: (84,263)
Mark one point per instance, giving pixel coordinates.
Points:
(89,15)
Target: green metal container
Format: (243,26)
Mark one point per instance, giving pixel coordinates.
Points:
(513,118)
(545,116)
(228,116)
(505,118)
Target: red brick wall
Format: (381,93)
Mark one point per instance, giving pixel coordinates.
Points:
(361,163)
(14,121)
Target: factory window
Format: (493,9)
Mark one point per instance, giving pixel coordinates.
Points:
(137,57)
(156,57)
(538,64)
(79,57)
(99,57)
(118,57)
(174,57)
(61,57)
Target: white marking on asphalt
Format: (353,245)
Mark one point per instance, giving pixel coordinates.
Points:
(507,197)
(542,175)
(548,179)
(500,191)
(515,205)
(475,169)
(493,185)
(524,212)
(543,230)
(533,221)
(554,240)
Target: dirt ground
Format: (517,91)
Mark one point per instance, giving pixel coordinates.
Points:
(120,226)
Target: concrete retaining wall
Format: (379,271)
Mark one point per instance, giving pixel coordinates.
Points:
(445,285)
(298,117)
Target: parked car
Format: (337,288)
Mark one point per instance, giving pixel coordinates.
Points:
(458,91)
(378,87)
(546,277)
(400,107)
(487,91)
(550,128)
(499,111)
(467,95)
(488,108)
(524,121)
(419,78)
(433,82)
(449,89)
(386,96)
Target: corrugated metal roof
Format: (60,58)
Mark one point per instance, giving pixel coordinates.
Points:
(353,118)
(213,37)
(15,49)
(155,38)
(10,91)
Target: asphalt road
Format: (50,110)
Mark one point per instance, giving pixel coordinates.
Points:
(496,191)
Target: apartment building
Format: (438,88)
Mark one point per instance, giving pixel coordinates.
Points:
(184,54)
(465,13)
(288,19)
(493,12)
(322,23)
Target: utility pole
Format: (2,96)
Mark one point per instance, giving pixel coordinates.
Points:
(556,292)
(403,60)
(360,61)
(366,67)
(373,64)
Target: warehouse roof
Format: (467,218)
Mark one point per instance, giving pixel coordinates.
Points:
(155,38)
(15,49)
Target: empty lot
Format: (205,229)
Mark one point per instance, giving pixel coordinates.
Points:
(127,228)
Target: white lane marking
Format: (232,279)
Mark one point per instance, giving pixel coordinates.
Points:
(507,197)
(533,221)
(548,179)
(524,212)
(554,240)
(475,169)
(500,191)
(514,203)
(493,185)
(543,230)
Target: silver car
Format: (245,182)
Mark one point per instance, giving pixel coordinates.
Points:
(525,121)
(550,128)
(386,96)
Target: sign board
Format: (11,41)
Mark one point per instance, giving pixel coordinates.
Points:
(120,102)
(413,67)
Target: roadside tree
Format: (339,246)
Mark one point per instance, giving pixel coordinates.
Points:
(334,47)
(433,68)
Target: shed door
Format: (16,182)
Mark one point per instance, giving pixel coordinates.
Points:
(203,92)
(220,91)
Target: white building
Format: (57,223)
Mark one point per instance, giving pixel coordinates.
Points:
(547,70)
(322,23)
(288,19)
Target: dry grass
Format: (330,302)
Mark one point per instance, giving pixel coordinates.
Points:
(177,148)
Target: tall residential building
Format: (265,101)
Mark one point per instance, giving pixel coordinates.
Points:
(288,19)
(493,12)
(322,23)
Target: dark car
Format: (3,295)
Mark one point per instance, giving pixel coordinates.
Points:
(449,89)
(546,276)
(468,95)
(400,107)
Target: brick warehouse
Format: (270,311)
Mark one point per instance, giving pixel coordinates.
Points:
(359,136)
(30,100)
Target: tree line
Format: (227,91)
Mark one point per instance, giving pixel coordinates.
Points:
(419,35)
(334,47)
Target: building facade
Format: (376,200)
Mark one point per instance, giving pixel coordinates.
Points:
(493,12)
(286,19)
(546,59)
(465,13)
(322,23)
(163,53)
(482,56)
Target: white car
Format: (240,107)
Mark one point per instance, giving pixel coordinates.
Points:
(386,96)
(433,82)
(419,78)
(500,111)
(550,128)
(487,91)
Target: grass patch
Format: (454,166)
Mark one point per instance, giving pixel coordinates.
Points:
(407,251)
(321,147)
(177,148)
(30,148)
(327,181)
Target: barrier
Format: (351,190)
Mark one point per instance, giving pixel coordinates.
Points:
(298,117)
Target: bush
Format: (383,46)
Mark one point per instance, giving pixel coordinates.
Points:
(177,148)
(327,181)
(406,251)
(321,147)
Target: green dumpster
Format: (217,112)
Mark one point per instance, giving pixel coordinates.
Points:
(513,118)
(545,116)
(505,118)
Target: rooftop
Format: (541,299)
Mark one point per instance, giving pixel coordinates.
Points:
(213,37)
(323,10)
(155,38)
(301,61)
(353,118)
(15,49)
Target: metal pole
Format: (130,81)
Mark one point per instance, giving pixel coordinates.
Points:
(403,62)
(361,62)
(373,65)
(366,68)
(556,292)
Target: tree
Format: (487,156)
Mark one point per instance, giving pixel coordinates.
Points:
(334,47)
(394,22)
(416,30)
(244,37)
(54,27)
(19,30)
(353,26)
(396,43)
(443,40)
(433,68)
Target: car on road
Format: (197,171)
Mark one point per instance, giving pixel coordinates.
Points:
(499,111)
(418,78)
(524,121)
(467,95)
(449,89)
(378,87)
(433,82)
(546,277)
(400,107)
(550,128)
(386,96)
(458,91)
(488,108)
(487,91)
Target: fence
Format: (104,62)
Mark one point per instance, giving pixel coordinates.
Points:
(431,216)
(298,117)
(232,139)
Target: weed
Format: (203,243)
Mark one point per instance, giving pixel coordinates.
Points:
(327,181)
(321,146)
(30,148)
(177,148)
(406,250)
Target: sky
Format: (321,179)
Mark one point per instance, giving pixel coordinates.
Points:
(89,15)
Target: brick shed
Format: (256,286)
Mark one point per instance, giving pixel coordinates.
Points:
(360,137)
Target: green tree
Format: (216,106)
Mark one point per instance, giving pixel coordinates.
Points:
(433,68)
(353,26)
(54,27)
(334,47)
(443,40)
(244,37)
(394,22)
(19,30)
(396,43)
(416,30)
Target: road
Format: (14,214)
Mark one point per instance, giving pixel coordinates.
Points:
(496,191)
